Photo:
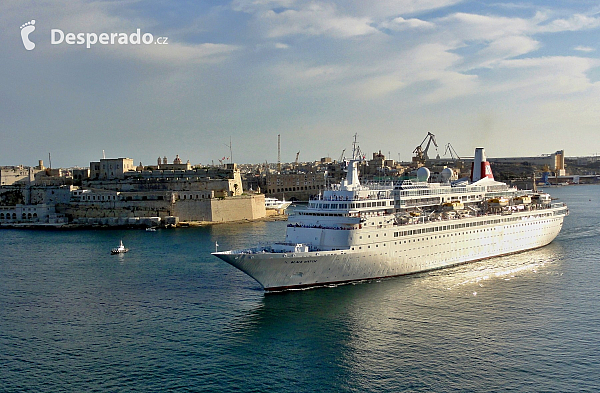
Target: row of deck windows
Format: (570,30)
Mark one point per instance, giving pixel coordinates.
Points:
(351,205)
(443,236)
(290,189)
(458,226)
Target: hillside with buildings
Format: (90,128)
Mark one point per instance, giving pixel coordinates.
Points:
(116,192)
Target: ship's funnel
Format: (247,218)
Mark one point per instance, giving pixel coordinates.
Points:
(351,182)
(480,167)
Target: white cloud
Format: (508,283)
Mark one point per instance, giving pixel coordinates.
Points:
(104,17)
(358,8)
(400,23)
(180,54)
(574,23)
(253,6)
(315,19)
(299,74)
(452,85)
(320,63)
(473,27)
(392,8)
(376,86)
(503,48)
(584,48)
(544,76)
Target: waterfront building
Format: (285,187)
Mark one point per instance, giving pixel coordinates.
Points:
(79,175)
(554,161)
(30,214)
(110,168)
(175,166)
(92,205)
(297,185)
(11,175)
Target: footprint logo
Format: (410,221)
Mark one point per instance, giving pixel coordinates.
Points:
(27,29)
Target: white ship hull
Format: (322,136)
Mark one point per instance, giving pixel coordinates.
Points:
(457,242)
(274,204)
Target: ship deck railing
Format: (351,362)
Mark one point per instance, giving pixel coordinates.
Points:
(319,226)
(350,199)
(266,248)
(426,218)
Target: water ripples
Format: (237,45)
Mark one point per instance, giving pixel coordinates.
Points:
(168,316)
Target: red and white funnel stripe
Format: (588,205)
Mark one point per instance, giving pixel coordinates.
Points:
(480,167)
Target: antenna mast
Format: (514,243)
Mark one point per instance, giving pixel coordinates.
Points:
(278,152)
(355,149)
(230,151)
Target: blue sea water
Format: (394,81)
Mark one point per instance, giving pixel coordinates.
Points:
(167,316)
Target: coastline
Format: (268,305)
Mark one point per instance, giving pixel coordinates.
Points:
(181,224)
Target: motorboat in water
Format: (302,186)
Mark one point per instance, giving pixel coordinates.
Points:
(275,204)
(119,250)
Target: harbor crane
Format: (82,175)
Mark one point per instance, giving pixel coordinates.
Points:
(453,154)
(420,153)
(297,155)
(342,156)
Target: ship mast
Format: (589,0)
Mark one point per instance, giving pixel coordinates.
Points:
(355,148)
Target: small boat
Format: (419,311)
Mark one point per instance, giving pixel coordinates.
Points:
(150,229)
(275,204)
(119,250)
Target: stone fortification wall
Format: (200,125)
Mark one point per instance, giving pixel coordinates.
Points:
(245,207)
(215,210)
(193,210)
(221,210)
(116,209)
(224,187)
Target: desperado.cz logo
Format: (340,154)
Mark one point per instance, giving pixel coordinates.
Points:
(26,29)
(57,37)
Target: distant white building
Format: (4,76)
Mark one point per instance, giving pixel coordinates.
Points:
(30,214)
(10,175)
(110,168)
(555,161)
(176,165)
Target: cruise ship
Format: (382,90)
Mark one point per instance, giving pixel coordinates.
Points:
(355,232)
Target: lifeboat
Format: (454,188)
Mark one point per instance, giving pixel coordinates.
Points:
(497,202)
(453,205)
(522,200)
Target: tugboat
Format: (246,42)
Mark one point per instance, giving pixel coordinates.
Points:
(119,250)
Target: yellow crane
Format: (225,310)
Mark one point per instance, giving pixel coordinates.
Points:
(420,153)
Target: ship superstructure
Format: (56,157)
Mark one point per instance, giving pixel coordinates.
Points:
(357,232)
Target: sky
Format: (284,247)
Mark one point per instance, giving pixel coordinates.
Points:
(518,78)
